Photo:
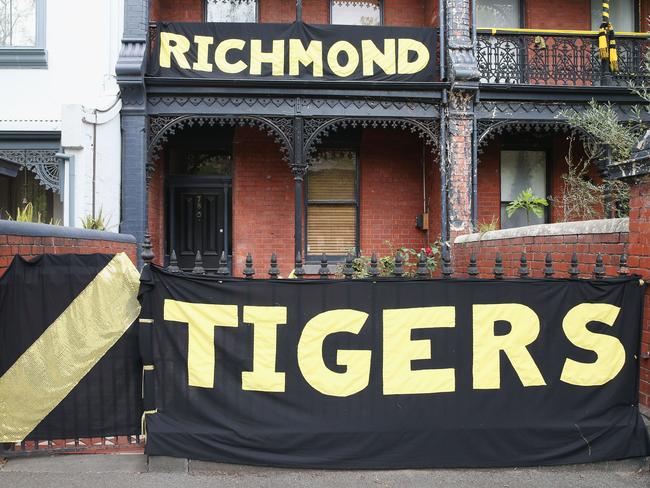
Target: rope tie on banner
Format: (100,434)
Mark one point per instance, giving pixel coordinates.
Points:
(143,423)
(146,367)
(607,40)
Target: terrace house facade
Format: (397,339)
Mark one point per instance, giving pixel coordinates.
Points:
(273,160)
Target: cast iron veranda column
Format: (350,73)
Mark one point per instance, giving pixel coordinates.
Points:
(299,169)
(459,113)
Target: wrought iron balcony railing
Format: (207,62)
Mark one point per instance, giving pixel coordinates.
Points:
(570,58)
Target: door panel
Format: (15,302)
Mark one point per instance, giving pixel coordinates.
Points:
(198,225)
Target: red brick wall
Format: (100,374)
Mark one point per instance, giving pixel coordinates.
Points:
(431,13)
(396,12)
(263,203)
(407,13)
(558,14)
(30,246)
(176,10)
(278,11)
(391,190)
(639,262)
(489,184)
(156,204)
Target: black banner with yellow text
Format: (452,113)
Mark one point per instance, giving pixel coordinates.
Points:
(392,373)
(294,51)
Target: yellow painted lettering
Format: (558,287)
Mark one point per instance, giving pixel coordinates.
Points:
(275,57)
(202,45)
(487,346)
(265,322)
(406,46)
(352,62)
(201,319)
(175,45)
(221,53)
(298,55)
(372,55)
(310,354)
(609,350)
(400,350)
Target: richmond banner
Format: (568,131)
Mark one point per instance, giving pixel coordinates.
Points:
(69,359)
(294,51)
(391,373)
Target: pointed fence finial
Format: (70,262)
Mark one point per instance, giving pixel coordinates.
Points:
(249,272)
(147,254)
(298,270)
(173,263)
(548,266)
(274,271)
(398,270)
(498,267)
(599,268)
(472,269)
(348,270)
(447,270)
(198,264)
(574,272)
(622,266)
(373,271)
(223,269)
(422,271)
(523,266)
(324,270)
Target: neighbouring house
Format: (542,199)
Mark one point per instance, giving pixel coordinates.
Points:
(59,109)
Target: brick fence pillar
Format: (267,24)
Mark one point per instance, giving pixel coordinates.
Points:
(636,172)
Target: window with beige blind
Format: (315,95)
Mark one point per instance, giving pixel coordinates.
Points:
(332,203)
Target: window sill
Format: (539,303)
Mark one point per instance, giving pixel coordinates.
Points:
(23,58)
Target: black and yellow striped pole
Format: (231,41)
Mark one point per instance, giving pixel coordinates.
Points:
(607,44)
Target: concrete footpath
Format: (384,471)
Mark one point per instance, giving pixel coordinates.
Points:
(134,470)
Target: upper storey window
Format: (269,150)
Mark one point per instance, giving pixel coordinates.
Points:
(22,34)
(18,23)
(231,11)
(621,15)
(356,12)
(498,13)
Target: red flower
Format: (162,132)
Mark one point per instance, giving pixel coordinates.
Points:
(428,251)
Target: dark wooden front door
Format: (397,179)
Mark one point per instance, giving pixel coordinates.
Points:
(199,223)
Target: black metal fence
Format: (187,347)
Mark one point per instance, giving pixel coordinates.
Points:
(543,58)
(422,271)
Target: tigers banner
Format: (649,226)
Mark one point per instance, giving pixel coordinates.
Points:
(294,51)
(392,373)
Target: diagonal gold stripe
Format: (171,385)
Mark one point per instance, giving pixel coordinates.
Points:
(68,349)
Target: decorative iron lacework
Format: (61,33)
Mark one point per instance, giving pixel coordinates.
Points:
(556,59)
(161,127)
(42,162)
(315,129)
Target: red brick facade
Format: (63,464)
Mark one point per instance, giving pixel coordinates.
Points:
(411,13)
(391,162)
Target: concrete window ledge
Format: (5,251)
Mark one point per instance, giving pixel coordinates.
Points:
(601,226)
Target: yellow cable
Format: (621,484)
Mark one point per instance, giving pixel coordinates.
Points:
(497,30)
